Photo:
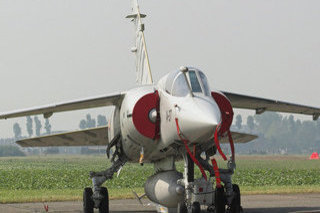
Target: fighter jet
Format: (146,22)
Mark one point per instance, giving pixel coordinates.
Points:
(177,118)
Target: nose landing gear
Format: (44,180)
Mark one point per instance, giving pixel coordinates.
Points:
(224,199)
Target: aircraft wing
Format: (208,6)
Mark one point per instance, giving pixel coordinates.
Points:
(261,105)
(239,138)
(89,137)
(47,111)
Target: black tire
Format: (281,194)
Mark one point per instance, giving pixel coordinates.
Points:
(236,202)
(196,208)
(88,203)
(211,209)
(182,208)
(220,201)
(104,204)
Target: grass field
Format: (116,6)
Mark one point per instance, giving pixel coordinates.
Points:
(53,178)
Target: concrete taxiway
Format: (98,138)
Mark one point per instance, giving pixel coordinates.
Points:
(297,203)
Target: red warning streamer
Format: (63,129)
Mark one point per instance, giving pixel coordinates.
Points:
(189,152)
(46,207)
(216,172)
(217,142)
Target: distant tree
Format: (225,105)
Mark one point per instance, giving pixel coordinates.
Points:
(38,125)
(250,122)
(17,131)
(102,120)
(239,121)
(83,124)
(47,126)
(88,122)
(29,126)
(91,123)
(291,125)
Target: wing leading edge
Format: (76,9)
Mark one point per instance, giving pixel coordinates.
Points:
(88,137)
(239,137)
(261,105)
(48,110)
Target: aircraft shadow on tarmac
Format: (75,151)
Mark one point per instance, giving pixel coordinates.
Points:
(146,211)
(282,210)
(254,210)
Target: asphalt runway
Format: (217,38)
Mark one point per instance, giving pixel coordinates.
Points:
(306,203)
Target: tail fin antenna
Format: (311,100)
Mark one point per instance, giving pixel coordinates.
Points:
(144,75)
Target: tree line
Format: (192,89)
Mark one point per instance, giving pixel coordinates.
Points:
(34,125)
(279,134)
(30,129)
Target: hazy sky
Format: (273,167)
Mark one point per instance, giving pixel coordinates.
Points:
(57,50)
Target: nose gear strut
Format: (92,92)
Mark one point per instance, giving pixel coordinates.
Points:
(227,194)
(185,141)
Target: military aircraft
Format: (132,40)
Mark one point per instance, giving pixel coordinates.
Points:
(178,118)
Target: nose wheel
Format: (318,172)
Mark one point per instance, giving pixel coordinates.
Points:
(182,208)
(196,207)
(220,201)
(235,206)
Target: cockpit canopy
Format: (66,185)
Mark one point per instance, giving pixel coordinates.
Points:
(177,83)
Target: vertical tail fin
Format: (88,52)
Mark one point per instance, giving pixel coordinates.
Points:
(144,75)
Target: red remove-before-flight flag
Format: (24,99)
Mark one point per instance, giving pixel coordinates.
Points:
(314,156)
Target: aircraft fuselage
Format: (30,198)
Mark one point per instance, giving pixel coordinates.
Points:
(197,112)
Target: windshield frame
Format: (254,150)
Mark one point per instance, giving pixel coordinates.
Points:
(204,83)
(199,78)
(194,83)
(184,91)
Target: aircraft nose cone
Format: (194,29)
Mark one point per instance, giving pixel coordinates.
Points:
(207,119)
(199,121)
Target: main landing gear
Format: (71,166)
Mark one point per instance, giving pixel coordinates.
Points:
(98,197)
(89,204)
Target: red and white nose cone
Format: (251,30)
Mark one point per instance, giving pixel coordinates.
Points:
(199,119)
